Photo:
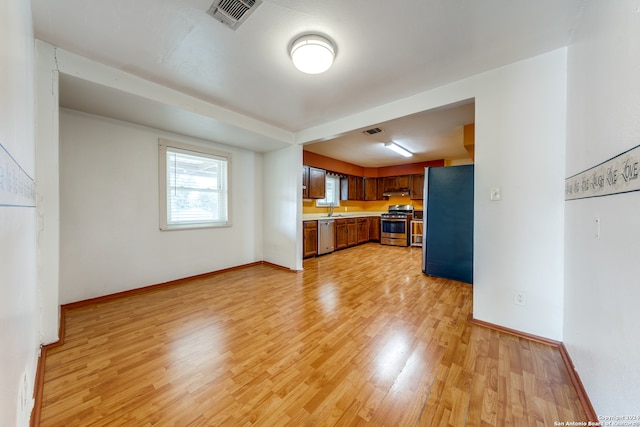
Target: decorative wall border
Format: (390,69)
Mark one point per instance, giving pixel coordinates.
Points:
(620,174)
(17,188)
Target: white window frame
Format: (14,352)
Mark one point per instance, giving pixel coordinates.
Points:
(325,203)
(172,146)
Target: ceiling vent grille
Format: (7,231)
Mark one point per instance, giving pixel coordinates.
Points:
(372,131)
(232,13)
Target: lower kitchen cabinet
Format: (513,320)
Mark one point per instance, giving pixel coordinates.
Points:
(352,232)
(310,238)
(374,228)
(341,233)
(348,232)
(363,230)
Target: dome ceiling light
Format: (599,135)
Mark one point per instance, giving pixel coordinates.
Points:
(312,54)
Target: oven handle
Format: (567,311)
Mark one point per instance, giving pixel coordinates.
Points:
(394,220)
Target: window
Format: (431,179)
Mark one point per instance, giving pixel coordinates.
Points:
(194,186)
(332,192)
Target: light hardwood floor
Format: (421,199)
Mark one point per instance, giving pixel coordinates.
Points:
(361,337)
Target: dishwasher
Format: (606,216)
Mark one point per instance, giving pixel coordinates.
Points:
(326,239)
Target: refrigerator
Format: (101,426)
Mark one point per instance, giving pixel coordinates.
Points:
(447,233)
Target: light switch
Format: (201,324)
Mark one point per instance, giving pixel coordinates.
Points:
(496,193)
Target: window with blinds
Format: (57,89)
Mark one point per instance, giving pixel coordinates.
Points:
(194,187)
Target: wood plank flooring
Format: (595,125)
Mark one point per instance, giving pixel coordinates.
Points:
(361,337)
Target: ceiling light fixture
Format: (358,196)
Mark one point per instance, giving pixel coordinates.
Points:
(312,54)
(395,147)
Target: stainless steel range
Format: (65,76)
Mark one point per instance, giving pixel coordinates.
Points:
(395,225)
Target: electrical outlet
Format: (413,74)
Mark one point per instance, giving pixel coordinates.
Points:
(520,298)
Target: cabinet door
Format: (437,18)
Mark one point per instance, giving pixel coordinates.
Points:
(370,188)
(374,228)
(363,230)
(317,183)
(352,232)
(402,182)
(395,183)
(310,238)
(417,187)
(341,234)
(355,188)
(305,182)
(359,188)
(380,188)
(389,183)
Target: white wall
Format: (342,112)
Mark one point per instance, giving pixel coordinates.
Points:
(19,318)
(47,165)
(520,134)
(283,207)
(109,227)
(603,275)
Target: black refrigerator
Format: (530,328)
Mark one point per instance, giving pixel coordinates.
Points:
(447,241)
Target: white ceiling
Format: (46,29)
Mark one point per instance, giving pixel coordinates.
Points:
(385,51)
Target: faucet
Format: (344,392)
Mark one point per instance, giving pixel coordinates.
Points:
(331,209)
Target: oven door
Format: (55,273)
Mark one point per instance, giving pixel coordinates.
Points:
(394,232)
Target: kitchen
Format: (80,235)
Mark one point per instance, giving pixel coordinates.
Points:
(345,204)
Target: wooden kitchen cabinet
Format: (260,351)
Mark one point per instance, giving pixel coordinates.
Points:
(380,189)
(305,182)
(370,188)
(363,230)
(309,239)
(356,187)
(389,183)
(417,187)
(317,183)
(374,228)
(341,233)
(351,188)
(402,181)
(395,183)
(352,232)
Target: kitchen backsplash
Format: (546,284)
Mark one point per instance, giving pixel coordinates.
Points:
(309,206)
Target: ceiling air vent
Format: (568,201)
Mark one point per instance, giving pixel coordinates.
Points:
(232,13)
(372,131)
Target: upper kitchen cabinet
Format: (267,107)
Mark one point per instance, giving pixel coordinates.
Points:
(416,185)
(305,182)
(313,182)
(380,189)
(371,189)
(352,188)
(396,183)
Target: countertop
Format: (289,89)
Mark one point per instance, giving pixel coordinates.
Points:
(338,215)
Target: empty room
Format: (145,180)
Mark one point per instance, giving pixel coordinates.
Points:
(282,212)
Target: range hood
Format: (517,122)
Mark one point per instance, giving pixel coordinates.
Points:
(400,192)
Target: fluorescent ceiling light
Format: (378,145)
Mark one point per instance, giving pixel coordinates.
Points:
(395,147)
(312,54)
